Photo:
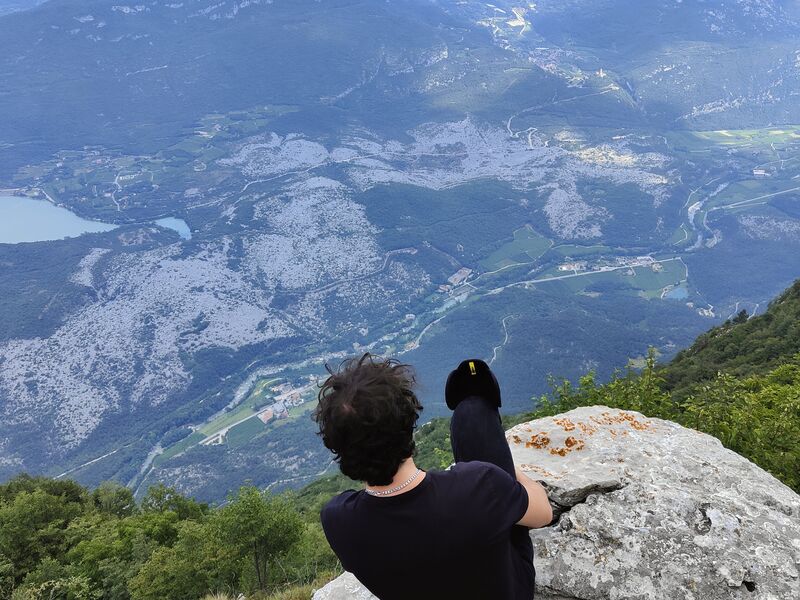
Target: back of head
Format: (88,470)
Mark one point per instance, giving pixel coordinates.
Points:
(367,413)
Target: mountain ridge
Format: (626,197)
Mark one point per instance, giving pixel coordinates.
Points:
(740,346)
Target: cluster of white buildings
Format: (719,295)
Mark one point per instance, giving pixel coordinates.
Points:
(455,280)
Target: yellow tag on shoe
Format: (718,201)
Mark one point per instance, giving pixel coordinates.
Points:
(472,368)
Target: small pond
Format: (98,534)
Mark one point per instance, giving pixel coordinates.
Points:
(175,224)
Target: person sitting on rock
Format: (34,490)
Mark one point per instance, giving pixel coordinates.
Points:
(410,534)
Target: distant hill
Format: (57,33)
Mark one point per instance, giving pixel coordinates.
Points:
(741,346)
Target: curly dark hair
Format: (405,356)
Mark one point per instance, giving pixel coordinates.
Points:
(366,414)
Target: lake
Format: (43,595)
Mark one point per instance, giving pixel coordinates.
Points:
(29,220)
(178,225)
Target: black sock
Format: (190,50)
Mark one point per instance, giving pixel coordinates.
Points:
(472,377)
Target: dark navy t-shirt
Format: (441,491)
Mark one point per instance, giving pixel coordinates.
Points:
(449,537)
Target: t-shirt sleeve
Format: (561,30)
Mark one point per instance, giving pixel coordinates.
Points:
(503,499)
(332,517)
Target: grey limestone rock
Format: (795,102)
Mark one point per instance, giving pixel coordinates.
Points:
(649,510)
(344,587)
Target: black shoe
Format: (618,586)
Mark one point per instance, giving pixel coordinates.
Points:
(471,378)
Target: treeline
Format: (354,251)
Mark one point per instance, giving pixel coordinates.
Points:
(60,541)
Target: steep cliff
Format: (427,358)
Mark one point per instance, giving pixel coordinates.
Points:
(649,509)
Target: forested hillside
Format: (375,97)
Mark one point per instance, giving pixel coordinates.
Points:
(741,346)
(60,541)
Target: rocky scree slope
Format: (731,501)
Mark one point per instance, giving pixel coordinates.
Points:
(648,509)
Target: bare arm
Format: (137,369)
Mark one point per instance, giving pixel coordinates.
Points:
(539,512)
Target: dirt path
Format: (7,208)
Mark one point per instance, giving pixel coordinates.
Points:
(505,340)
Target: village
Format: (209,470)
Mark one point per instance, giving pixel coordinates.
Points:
(457,281)
(607,264)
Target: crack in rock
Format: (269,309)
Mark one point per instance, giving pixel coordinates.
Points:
(562,500)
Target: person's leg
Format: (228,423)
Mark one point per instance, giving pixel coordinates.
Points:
(476,433)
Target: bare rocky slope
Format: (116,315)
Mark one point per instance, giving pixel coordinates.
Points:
(648,509)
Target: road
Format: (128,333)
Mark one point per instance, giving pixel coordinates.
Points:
(583,274)
(514,134)
(505,340)
(86,464)
(337,283)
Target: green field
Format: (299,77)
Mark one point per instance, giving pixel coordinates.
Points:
(244,432)
(643,280)
(573,250)
(526,247)
(177,448)
(651,283)
(681,236)
(257,400)
(695,141)
(785,134)
(751,192)
(551,272)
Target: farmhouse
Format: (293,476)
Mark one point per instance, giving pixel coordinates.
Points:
(459,276)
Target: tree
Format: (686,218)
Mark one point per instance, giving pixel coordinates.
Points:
(66,489)
(259,526)
(160,498)
(32,527)
(114,499)
(198,563)
(69,588)
(6,577)
(741,317)
(109,551)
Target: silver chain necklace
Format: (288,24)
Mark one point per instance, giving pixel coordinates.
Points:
(406,483)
